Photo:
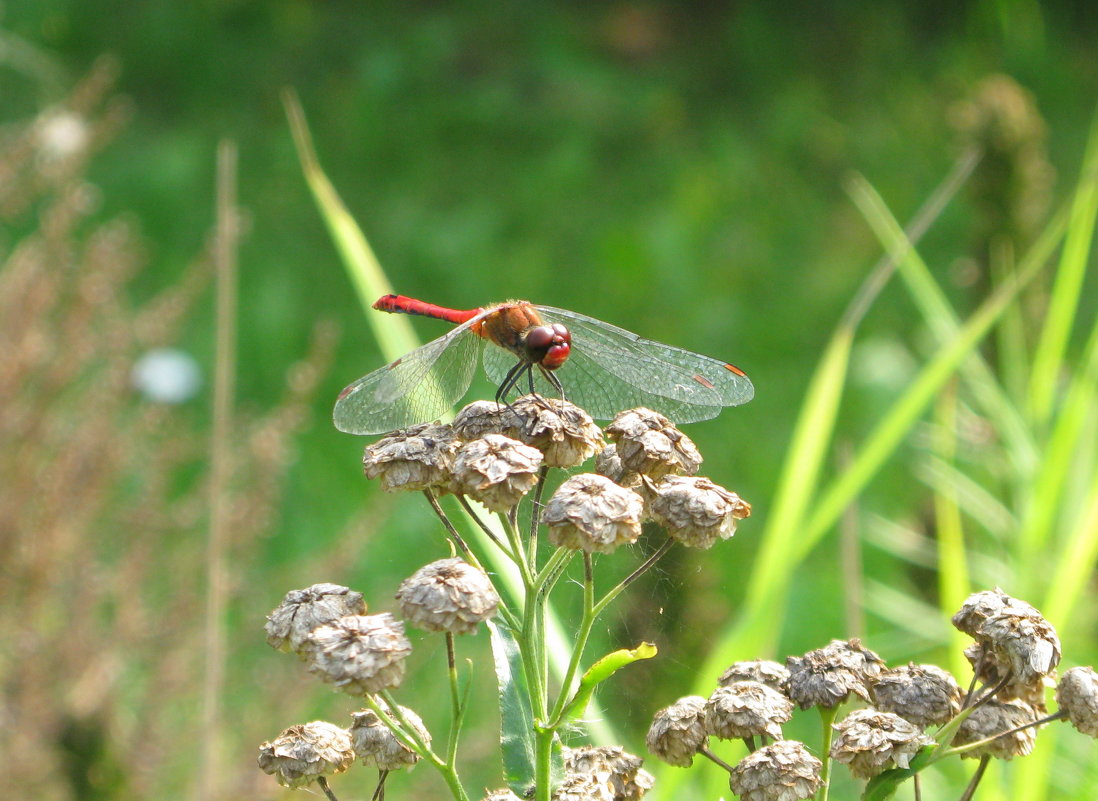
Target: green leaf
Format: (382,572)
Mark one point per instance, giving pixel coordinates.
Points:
(601,671)
(517,737)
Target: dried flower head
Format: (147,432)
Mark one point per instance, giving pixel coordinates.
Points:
(994,717)
(301,611)
(303,753)
(375,744)
(496,470)
(359,654)
(608,463)
(649,444)
(924,695)
(582,787)
(678,731)
(826,677)
(1077,697)
(746,709)
(614,767)
(485,417)
(414,459)
(978,607)
(563,432)
(781,771)
(763,671)
(1023,642)
(870,742)
(591,513)
(695,511)
(447,595)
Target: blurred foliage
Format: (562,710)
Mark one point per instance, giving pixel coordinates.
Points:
(677,168)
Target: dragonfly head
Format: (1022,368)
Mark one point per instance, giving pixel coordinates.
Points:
(548,345)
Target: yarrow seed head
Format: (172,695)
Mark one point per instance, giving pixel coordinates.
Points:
(582,787)
(612,766)
(678,731)
(591,513)
(924,695)
(649,444)
(359,654)
(826,677)
(870,742)
(301,611)
(563,432)
(496,470)
(978,607)
(1023,642)
(695,511)
(994,717)
(375,744)
(764,671)
(746,709)
(1077,697)
(301,754)
(608,463)
(447,595)
(414,459)
(485,417)
(781,771)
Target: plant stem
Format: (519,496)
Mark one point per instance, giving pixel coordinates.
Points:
(636,574)
(477,519)
(827,717)
(587,622)
(457,707)
(535,518)
(975,782)
(462,546)
(705,752)
(327,790)
(411,738)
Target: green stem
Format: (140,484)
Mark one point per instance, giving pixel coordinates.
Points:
(458,540)
(535,518)
(457,707)
(827,717)
(587,622)
(543,743)
(975,782)
(636,574)
(327,790)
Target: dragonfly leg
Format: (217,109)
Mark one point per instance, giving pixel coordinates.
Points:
(510,381)
(551,377)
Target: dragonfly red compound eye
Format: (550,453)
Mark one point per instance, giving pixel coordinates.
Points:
(603,368)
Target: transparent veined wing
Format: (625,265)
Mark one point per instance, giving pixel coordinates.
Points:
(416,388)
(611,369)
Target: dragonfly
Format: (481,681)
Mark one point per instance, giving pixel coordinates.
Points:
(550,352)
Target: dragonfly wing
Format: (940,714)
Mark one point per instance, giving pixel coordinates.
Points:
(611,369)
(416,388)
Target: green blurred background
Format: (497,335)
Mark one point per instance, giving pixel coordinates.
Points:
(674,168)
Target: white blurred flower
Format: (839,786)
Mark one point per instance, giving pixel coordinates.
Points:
(166,375)
(61,134)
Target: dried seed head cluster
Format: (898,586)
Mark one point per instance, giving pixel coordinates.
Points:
(870,742)
(618,772)
(563,432)
(303,753)
(359,654)
(591,513)
(1014,645)
(414,459)
(301,611)
(763,671)
(447,595)
(375,744)
(1077,697)
(746,709)
(781,771)
(496,470)
(992,718)
(648,444)
(678,731)
(695,511)
(827,676)
(924,695)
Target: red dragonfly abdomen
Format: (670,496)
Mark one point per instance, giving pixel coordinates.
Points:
(399,304)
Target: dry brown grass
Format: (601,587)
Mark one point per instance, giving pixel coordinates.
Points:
(103,495)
